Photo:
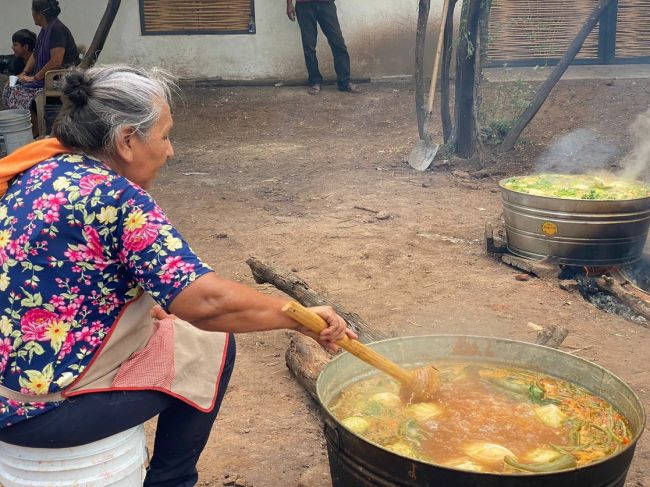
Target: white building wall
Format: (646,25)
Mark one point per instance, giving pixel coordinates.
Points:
(379,33)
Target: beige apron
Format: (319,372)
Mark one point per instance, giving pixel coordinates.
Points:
(140,353)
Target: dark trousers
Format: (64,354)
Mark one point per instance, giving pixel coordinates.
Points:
(181,433)
(310,14)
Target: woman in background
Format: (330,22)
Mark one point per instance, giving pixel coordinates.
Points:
(55,48)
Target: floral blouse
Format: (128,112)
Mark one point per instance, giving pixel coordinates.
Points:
(77,242)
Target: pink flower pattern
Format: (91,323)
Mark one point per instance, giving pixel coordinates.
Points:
(82,242)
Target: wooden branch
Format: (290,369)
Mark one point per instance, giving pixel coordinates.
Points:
(448,47)
(542,94)
(552,336)
(611,285)
(97,44)
(304,357)
(299,290)
(420,37)
(465,73)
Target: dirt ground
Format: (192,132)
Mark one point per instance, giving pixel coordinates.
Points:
(274,173)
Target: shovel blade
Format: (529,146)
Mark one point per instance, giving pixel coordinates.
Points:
(422,155)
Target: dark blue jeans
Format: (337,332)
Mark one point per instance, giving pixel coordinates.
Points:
(310,14)
(181,433)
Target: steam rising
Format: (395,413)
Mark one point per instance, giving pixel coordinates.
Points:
(636,164)
(584,151)
(579,152)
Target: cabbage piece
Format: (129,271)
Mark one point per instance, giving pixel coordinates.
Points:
(551,415)
(403,449)
(487,452)
(464,464)
(381,403)
(387,399)
(423,410)
(412,431)
(356,424)
(542,455)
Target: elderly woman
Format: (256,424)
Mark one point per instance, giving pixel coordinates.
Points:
(87,258)
(55,48)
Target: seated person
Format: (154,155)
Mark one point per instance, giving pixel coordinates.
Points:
(22,43)
(55,48)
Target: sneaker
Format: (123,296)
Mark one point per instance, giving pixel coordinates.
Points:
(314,90)
(350,88)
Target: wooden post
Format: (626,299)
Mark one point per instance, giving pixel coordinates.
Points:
(448,47)
(420,37)
(542,94)
(97,44)
(465,73)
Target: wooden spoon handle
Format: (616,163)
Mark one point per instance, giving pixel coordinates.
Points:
(315,323)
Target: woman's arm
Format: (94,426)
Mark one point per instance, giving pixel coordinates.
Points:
(215,304)
(31,62)
(55,62)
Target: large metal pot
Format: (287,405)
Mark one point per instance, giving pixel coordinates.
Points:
(357,462)
(576,232)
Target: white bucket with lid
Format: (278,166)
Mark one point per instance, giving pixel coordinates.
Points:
(15,129)
(116,461)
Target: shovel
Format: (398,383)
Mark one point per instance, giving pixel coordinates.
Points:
(418,385)
(425,149)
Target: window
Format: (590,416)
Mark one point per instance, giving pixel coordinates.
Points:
(173,17)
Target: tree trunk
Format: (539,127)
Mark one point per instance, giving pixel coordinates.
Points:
(97,44)
(448,47)
(420,38)
(511,139)
(465,74)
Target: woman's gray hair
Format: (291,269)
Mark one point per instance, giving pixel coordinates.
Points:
(100,102)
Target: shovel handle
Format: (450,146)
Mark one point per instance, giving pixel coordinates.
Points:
(437,58)
(315,323)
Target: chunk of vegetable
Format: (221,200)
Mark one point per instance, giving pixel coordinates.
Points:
(423,410)
(487,452)
(542,455)
(551,415)
(464,464)
(561,463)
(403,449)
(356,424)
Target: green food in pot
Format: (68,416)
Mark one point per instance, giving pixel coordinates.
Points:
(580,187)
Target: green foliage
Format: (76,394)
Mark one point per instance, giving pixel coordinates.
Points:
(500,107)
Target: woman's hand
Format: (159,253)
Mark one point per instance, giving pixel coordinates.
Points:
(158,313)
(336,329)
(26,79)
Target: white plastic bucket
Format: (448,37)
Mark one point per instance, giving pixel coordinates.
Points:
(16,129)
(117,461)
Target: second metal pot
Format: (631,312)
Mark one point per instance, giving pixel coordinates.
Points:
(576,232)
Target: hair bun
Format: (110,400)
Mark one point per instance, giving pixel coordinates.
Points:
(77,88)
(54,6)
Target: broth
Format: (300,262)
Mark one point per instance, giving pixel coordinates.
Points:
(487,418)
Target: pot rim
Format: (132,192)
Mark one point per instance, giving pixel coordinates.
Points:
(502,182)
(631,444)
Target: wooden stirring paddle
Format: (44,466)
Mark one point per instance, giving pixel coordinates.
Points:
(418,385)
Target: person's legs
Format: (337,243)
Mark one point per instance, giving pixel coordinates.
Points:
(329,24)
(306,15)
(181,435)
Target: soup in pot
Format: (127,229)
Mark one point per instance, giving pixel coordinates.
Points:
(581,187)
(487,418)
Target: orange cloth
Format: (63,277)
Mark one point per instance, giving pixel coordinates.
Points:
(27,156)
